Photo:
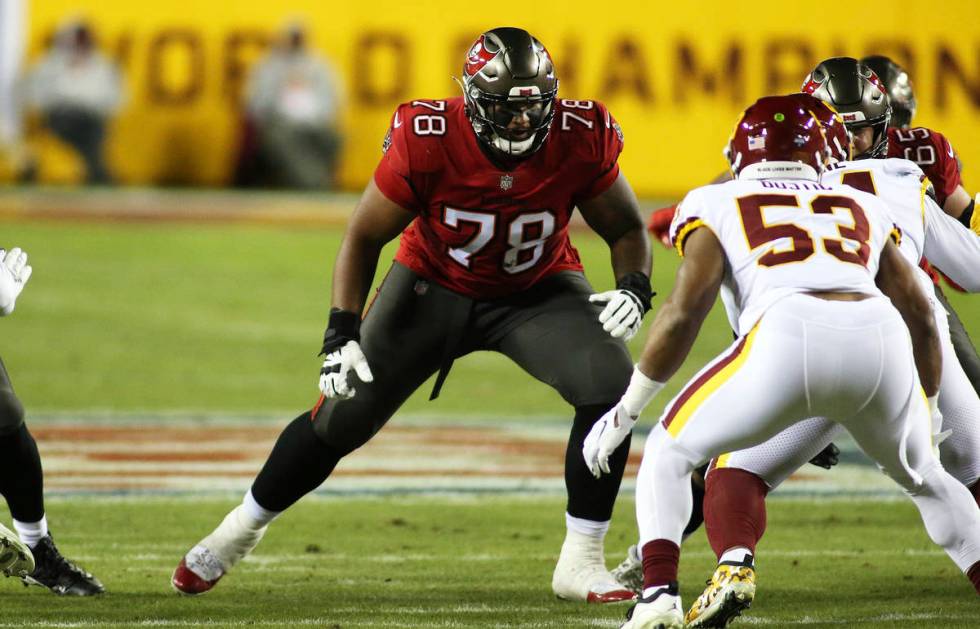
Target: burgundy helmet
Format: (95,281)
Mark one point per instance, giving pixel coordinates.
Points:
(778,137)
(508,74)
(838,137)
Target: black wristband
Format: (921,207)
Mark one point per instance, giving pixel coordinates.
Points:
(342,326)
(637,283)
(967,216)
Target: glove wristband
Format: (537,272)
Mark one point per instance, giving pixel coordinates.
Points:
(637,284)
(640,391)
(343,326)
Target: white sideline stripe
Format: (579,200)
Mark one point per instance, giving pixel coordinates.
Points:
(810,620)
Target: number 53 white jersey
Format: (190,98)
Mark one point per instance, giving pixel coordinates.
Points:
(786,236)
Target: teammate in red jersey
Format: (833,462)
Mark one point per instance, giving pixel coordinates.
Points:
(481,188)
(937,159)
(926,147)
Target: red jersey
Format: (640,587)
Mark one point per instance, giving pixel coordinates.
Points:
(932,152)
(483,230)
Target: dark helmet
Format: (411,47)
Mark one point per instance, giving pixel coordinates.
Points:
(780,137)
(509,76)
(855,91)
(838,137)
(899,87)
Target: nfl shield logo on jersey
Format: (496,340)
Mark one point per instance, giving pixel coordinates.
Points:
(506,182)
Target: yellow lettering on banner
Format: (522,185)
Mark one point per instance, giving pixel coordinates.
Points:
(675,78)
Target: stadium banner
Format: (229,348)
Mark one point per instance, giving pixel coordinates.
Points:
(675,75)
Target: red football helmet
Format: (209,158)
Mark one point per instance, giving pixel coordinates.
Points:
(778,137)
(838,137)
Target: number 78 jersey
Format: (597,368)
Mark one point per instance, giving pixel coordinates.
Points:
(786,236)
(483,229)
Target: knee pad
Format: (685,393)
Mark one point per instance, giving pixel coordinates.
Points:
(11,412)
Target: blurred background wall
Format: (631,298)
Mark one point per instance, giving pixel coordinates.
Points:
(675,74)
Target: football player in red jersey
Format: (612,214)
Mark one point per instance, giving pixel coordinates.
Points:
(935,156)
(481,189)
(926,147)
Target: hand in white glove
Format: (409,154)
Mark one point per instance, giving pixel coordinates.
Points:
(606,435)
(14,273)
(333,374)
(622,315)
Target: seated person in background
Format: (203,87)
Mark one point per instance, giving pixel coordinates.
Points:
(77,90)
(292,102)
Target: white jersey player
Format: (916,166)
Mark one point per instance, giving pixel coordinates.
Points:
(808,266)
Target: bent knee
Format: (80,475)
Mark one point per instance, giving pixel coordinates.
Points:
(340,429)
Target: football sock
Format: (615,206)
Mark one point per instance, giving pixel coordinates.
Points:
(298,464)
(660,559)
(253,515)
(31,532)
(589,528)
(591,498)
(734,509)
(737,555)
(21,479)
(974,575)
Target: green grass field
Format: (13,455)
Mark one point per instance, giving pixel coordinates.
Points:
(190,319)
(477,563)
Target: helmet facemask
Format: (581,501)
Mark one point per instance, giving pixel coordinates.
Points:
(514,125)
(509,87)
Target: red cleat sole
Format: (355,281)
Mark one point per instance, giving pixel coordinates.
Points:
(615,596)
(185,582)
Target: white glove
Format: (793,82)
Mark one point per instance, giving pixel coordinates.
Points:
(622,315)
(14,273)
(606,435)
(938,434)
(333,374)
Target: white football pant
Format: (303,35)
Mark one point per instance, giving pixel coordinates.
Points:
(850,362)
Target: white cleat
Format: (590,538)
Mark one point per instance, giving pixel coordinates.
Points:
(16,559)
(204,565)
(630,571)
(660,610)
(581,573)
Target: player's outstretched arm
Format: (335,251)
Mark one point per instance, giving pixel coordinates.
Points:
(615,216)
(375,222)
(951,247)
(668,344)
(896,279)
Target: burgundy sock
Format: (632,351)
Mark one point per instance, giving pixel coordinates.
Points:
(660,559)
(734,509)
(973,574)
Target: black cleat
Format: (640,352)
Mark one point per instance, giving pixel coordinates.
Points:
(60,575)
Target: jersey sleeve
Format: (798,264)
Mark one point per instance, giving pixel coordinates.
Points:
(951,247)
(688,217)
(393,175)
(945,173)
(607,144)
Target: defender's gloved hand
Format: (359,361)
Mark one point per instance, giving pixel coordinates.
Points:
(625,306)
(14,273)
(606,435)
(333,374)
